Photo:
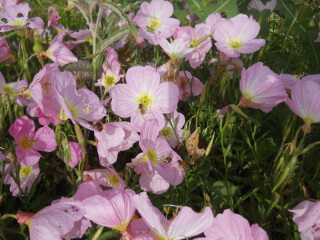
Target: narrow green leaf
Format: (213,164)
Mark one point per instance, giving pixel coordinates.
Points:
(121,14)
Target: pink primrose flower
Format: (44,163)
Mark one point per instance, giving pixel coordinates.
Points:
(236,35)
(154,20)
(261,88)
(16,17)
(229,225)
(108,177)
(192,36)
(176,50)
(186,224)
(13,89)
(111,70)
(4,49)
(305,101)
(291,80)
(79,105)
(53,222)
(115,137)
(59,53)
(82,36)
(211,21)
(27,175)
(76,154)
(114,210)
(143,97)
(5,3)
(42,93)
(306,216)
(54,16)
(188,85)
(157,156)
(174,125)
(28,142)
(258,5)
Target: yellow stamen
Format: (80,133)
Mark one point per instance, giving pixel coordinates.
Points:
(155,23)
(25,171)
(167,133)
(235,43)
(152,155)
(26,143)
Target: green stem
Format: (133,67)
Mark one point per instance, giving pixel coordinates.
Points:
(82,144)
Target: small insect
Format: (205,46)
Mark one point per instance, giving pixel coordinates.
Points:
(167,159)
(142,108)
(98,125)
(183,165)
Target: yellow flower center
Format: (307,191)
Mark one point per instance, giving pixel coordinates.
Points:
(155,23)
(25,171)
(108,80)
(166,132)
(8,90)
(145,101)
(45,87)
(235,43)
(113,180)
(309,119)
(18,22)
(192,43)
(26,143)
(73,109)
(152,155)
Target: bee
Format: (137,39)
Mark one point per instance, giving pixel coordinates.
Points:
(142,108)
(98,125)
(183,165)
(167,159)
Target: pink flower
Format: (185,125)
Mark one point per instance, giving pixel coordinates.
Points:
(4,49)
(42,93)
(79,105)
(108,177)
(228,225)
(188,85)
(186,224)
(257,4)
(154,20)
(173,127)
(111,70)
(76,154)
(27,176)
(144,97)
(192,36)
(176,50)
(5,3)
(157,156)
(16,17)
(59,53)
(13,89)
(115,137)
(82,36)
(115,210)
(54,16)
(306,216)
(305,101)
(54,221)
(212,20)
(236,35)
(291,80)
(261,88)
(28,142)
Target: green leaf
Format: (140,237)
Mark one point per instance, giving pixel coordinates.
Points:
(124,16)
(180,14)
(102,44)
(229,7)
